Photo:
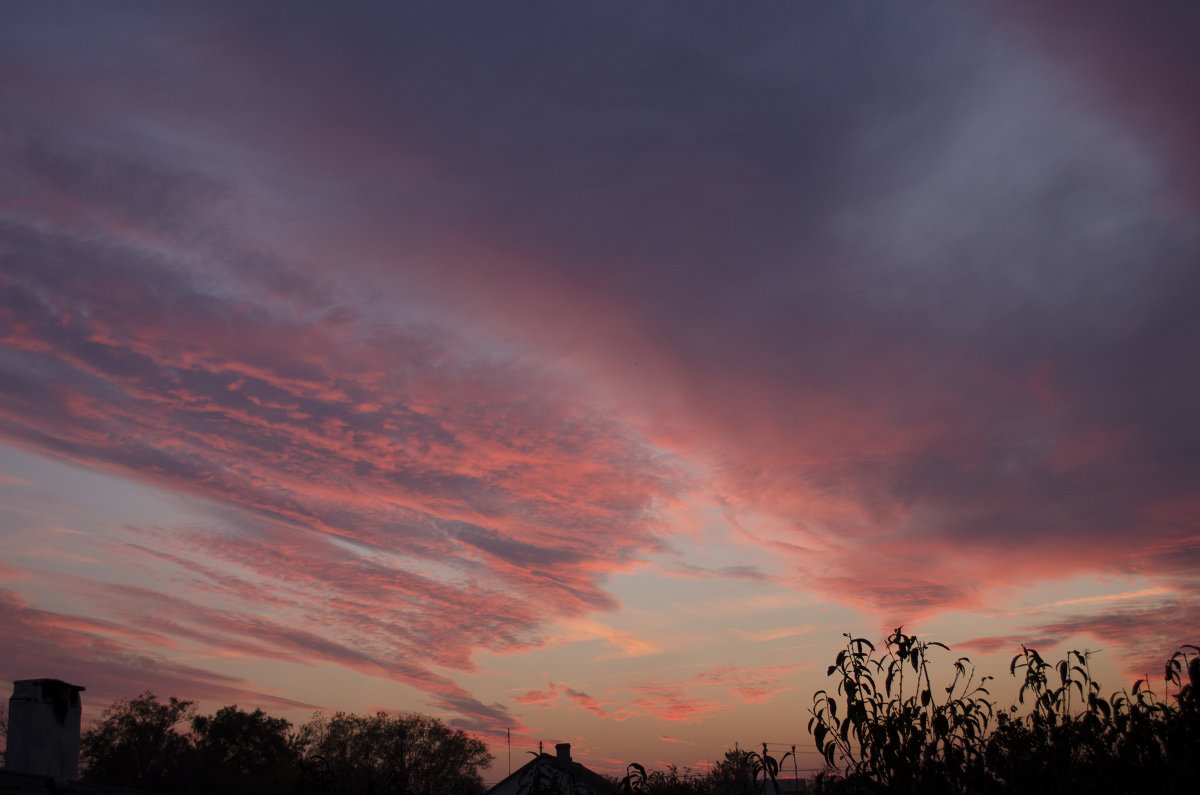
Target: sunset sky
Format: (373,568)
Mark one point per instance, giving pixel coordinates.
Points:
(586,369)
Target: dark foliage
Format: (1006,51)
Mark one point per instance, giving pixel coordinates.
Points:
(137,743)
(741,772)
(236,752)
(737,773)
(888,729)
(379,753)
(670,781)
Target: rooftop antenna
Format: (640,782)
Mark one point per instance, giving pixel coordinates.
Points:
(508,737)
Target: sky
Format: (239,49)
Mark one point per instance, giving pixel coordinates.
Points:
(586,370)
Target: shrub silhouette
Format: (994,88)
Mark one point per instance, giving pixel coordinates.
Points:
(741,772)
(897,732)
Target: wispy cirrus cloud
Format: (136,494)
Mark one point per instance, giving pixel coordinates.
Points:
(666,739)
(555,694)
(675,703)
(113,659)
(711,691)
(392,468)
(752,685)
(1142,629)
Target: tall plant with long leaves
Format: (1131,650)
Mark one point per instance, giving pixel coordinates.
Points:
(1074,738)
(897,733)
(894,730)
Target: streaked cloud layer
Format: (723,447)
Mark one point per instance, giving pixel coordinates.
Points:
(459,348)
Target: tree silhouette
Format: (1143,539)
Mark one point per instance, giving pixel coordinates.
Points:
(239,752)
(346,753)
(135,743)
(737,773)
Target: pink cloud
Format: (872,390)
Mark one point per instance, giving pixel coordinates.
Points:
(542,697)
(665,739)
(1007,644)
(587,702)
(665,702)
(697,696)
(400,445)
(110,660)
(555,693)
(750,685)
(224,629)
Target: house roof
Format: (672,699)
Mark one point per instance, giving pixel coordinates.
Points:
(554,773)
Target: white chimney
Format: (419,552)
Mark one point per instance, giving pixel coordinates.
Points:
(43,728)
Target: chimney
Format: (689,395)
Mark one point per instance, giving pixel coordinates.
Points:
(43,728)
(563,750)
